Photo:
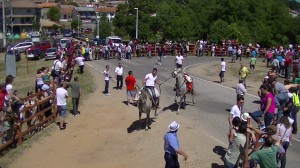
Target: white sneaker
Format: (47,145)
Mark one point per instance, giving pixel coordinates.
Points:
(107,94)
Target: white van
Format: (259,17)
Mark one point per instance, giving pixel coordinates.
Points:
(116,40)
(21,47)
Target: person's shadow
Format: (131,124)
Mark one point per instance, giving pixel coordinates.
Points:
(221,151)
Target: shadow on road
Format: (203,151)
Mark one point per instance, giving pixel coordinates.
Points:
(221,151)
(139,125)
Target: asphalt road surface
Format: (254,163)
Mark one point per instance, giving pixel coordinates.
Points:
(212,100)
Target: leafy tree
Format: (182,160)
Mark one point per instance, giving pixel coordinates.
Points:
(53,13)
(74,24)
(104,26)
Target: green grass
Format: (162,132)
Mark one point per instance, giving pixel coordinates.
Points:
(24,82)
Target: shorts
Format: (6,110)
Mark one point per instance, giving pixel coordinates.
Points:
(221,74)
(62,111)
(252,66)
(131,93)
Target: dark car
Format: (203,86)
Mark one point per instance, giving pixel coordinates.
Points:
(35,53)
(16,53)
(77,35)
(67,33)
(52,34)
(97,41)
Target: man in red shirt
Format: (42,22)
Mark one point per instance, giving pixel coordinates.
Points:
(288,67)
(130,83)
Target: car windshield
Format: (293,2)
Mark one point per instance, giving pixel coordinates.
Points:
(64,41)
(51,50)
(117,40)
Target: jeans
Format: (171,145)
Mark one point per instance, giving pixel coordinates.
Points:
(257,114)
(119,81)
(227,164)
(119,56)
(171,161)
(151,88)
(106,86)
(294,117)
(285,146)
(138,52)
(75,102)
(81,69)
(283,98)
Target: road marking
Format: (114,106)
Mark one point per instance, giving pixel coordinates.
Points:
(212,137)
(295,139)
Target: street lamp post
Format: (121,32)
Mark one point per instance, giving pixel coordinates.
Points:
(137,23)
(78,25)
(4,24)
(97,15)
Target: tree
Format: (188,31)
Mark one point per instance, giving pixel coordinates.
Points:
(104,26)
(74,24)
(53,14)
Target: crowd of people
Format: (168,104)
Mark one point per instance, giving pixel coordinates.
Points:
(277,115)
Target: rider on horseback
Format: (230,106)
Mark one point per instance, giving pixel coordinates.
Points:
(149,82)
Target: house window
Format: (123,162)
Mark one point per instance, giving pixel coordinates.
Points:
(22,21)
(27,20)
(28,11)
(65,16)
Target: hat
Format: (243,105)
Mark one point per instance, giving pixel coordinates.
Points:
(272,128)
(173,126)
(245,116)
(2,84)
(45,87)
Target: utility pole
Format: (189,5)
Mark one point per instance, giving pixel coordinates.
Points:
(4,24)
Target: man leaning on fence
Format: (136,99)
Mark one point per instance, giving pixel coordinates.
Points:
(76,94)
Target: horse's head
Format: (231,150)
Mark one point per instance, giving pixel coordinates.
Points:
(176,72)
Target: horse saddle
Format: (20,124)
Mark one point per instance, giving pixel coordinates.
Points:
(155,90)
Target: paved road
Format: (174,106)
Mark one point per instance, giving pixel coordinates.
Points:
(212,100)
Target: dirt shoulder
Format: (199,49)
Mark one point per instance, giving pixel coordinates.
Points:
(107,134)
(210,71)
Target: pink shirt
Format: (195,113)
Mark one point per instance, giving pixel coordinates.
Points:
(264,103)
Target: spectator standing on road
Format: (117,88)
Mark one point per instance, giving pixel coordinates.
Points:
(179,60)
(233,54)
(284,132)
(80,62)
(149,49)
(243,73)
(130,83)
(106,79)
(240,89)
(236,147)
(160,54)
(39,80)
(239,54)
(119,73)
(76,94)
(171,147)
(252,64)
(57,66)
(223,69)
(236,110)
(61,102)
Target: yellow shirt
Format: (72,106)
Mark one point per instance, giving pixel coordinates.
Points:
(243,72)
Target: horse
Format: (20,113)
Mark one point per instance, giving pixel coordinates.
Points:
(145,105)
(181,88)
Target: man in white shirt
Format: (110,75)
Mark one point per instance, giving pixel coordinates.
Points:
(179,60)
(149,82)
(61,103)
(223,69)
(80,62)
(236,110)
(57,66)
(106,79)
(119,72)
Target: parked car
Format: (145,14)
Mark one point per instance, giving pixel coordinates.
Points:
(16,53)
(67,33)
(52,34)
(77,35)
(35,53)
(63,42)
(50,53)
(88,30)
(98,41)
(20,47)
(44,45)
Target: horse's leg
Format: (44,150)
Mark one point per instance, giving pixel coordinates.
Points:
(179,105)
(147,122)
(156,107)
(140,115)
(192,93)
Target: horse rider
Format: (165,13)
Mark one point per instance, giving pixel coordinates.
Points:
(149,82)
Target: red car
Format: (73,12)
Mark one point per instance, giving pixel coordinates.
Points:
(43,46)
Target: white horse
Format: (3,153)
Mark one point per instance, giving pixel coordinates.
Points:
(181,88)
